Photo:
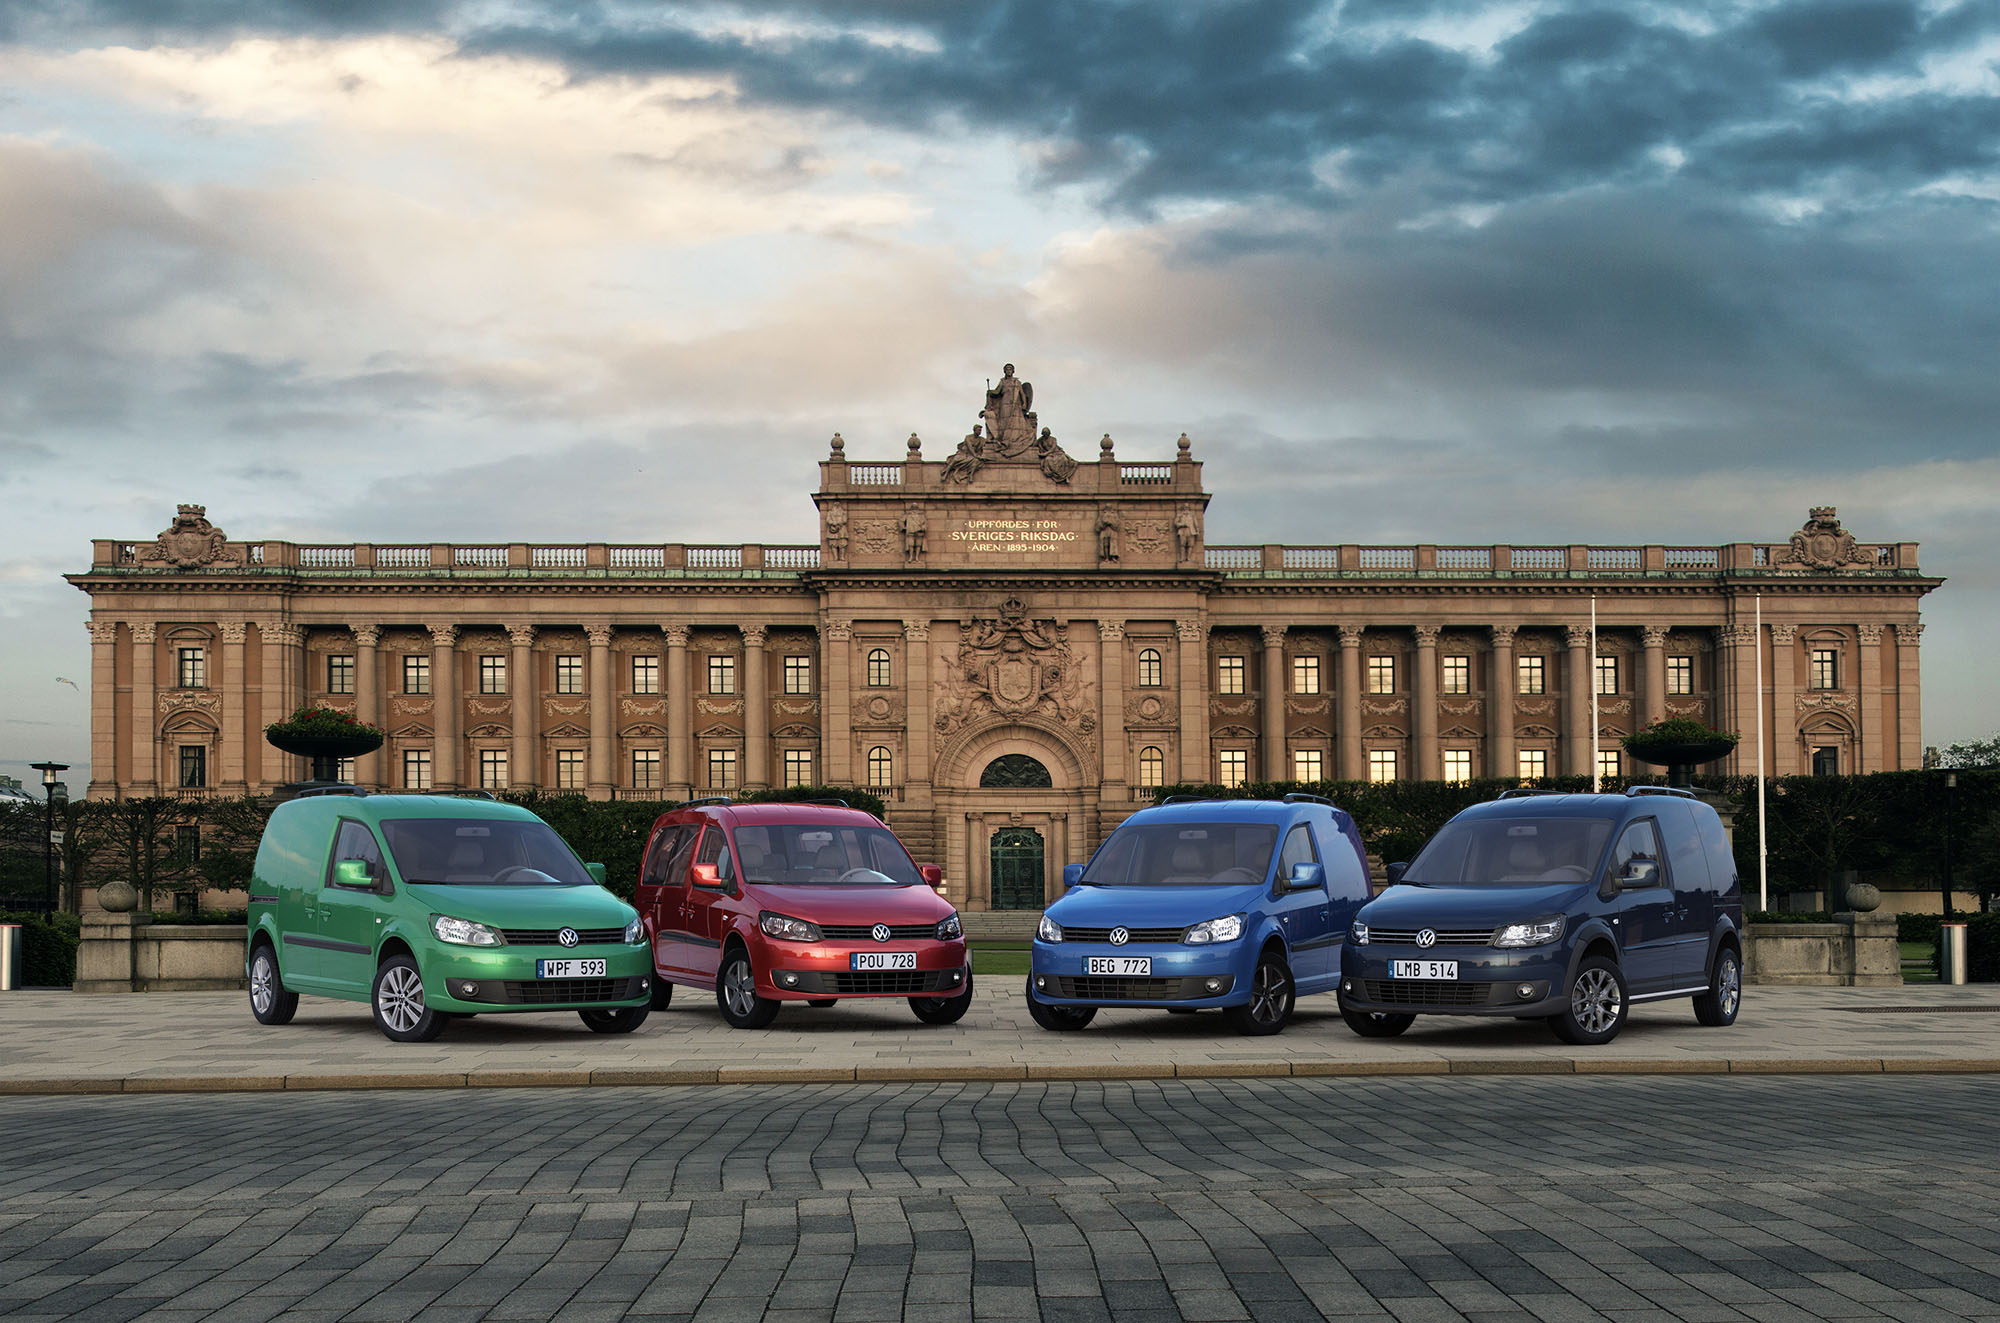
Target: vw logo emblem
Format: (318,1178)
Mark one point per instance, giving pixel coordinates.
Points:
(1120,936)
(568,937)
(1427,938)
(880,932)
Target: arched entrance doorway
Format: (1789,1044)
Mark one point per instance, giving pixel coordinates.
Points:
(1015,805)
(1018,869)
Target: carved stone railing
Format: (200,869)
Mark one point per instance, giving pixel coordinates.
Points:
(1508,562)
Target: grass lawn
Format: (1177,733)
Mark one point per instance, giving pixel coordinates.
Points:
(1917,962)
(999,958)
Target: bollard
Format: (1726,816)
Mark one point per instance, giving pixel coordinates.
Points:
(1951,953)
(10,956)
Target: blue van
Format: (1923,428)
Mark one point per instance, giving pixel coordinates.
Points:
(1561,907)
(1236,904)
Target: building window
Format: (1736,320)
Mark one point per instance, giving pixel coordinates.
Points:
(1534,764)
(1229,675)
(492,675)
(492,769)
(798,675)
(187,843)
(1825,669)
(722,769)
(1610,763)
(1680,675)
(569,673)
(1382,675)
(645,769)
(1149,668)
(569,769)
(645,675)
(340,674)
(1458,765)
(1607,675)
(1152,766)
(878,668)
(798,767)
(1457,675)
(1307,765)
(721,675)
(1381,764)
(1533,673)
(193,671)
(881,767)
(194,765)
(1305,675)
(416,675)
(343,770)
(416,769)
(1232,767)
(1825,760)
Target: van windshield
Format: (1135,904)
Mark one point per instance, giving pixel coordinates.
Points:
(1184,854)
(487,852)
(823,854)
(1504,852)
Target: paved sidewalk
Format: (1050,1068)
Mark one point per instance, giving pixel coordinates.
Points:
(59,1042)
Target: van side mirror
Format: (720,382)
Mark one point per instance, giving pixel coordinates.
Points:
(1639,873)
(596,872)
(705,875)
(353,873)
(1072,874)
(1396,871)
(932,875)
(1306,876)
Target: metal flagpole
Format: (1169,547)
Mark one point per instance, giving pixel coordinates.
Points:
(1596,767)
(1763,852)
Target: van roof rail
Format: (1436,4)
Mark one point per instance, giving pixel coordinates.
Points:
(1661,790)
(341,789)
(1524,793)
(1301,797)
(1184,799)
(705,799)
(463,794)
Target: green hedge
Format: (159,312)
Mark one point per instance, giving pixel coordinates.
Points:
(1918,928)
(48,948)
(1982,948)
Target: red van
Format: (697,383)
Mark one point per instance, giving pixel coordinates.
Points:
(811,902)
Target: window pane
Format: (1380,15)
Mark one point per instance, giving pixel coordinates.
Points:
(569,769)
(1305,675)
(645,675)
(1607,675)
(798,767)
(1457,675)
(1233,767)
(416,769)
(340,675)
(721,675)
(1229,675)
(1534,763)
(1533,675)
(1680,675)
(722,769)
(1149,668)
(492,675)
(1152,766)
(881,766)
(645,769)
(798,675)
(1381,675)
(569,674)
(1610,763)
(1307,765)
(878,667)
(1381,764)
(193,668)
(194,765)
(492,769)
(1825,669)
(1458,764)
(416,675)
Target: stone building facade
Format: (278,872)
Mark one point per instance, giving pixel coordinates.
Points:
(1010,645)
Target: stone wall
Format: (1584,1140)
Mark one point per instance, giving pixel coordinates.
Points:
(127,953)
(1852,951)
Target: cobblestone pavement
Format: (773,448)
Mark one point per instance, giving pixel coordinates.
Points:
(1656,1198)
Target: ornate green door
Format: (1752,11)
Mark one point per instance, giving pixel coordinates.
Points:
(1017,869)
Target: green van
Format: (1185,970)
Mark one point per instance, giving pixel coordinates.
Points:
(432,907)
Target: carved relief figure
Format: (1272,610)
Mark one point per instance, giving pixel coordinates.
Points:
(915,526)
(836,532)
(1107,535)
(1011,665)
(1009,423)
(1187,532)
(191,541)
(1823,544)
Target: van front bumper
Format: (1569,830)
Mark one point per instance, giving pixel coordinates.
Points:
(480,979)
(1180,976)
(1528,982)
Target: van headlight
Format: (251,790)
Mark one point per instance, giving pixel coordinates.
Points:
(949,929)
(1225,929)
(635,932)
(785,927)
(1535,932)
(463,932)
(1359,932)
(1047,930)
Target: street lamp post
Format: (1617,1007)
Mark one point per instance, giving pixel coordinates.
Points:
(49,787)
(1950,784)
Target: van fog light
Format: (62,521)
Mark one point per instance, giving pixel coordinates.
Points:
(467,989)
(1213,985)
(1525,991)
(789,979)
(1041,984)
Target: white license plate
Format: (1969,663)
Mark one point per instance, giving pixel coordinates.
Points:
(1423,969)
(882,960)
(569,969)
(1119,966)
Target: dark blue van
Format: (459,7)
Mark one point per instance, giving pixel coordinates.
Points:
(1237,904)
(1561,907)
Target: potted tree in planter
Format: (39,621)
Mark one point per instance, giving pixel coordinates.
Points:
(1679,744)
(326,735)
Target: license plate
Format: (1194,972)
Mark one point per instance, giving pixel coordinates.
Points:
(1423,969)
(569,969)
(1119,966)
(882,960)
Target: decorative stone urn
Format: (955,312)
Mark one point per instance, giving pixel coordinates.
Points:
(1680,744)
(325,735)
(1862,897)
(118,897)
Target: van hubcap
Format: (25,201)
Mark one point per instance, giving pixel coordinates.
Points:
(1729,984)
(739,985)
(1267,993)
(1594,1001)
(261,991)
(401,999)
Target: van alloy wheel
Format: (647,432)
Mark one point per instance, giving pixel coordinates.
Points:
(1272,996)
(269,1000)
(401,998)
(736,993)
(1597,1004)
(1717,1006)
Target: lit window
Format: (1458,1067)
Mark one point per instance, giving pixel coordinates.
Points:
(1680,675)
(1607,675)
(1826,760)
(1457,675)
(492,675)
(1307,765)
(722,769)
(1534,764)
(492,769)
(416,675)
(878,668)
(1825,669)
(1382,675)
(416,769)
(798,675)
(1152,766)
(1458,765)
(569,674)
(645,675)
(1381,764)
(798,767)
(1610,763)
(645,769)
(194,765)
(1228,675)
(343,770)
(1149,668)
(881,767)
(193,673)
(569,769)
(721,675)
(1305,675)
(1232,767)
(1533,673)
(340,674)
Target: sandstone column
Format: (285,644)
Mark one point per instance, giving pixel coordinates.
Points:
(1195,768)
(680,711)
(1500,684)
(756,711)
(280,645)
(1736,665)
(1424,697)
(1873,754)
(917,702)
(370,768)
(603,707)
(1653,679)
(1111,708)
(1350,703)
(1909,710)
(836,702)
(1576,700)
(1272,734)
(145,736)
(1784,729)
(235,711)
(524,692)
(445,707)
(104,709)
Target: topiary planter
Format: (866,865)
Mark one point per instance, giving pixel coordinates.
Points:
(325,736)
(1679,744)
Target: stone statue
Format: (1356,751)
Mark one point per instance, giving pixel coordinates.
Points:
(836,532)
(966,460)
(915,526)
(1186,532)
(1107,535)
(1010,426)
(1057,466)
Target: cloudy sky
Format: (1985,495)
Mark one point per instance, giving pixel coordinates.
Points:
(1406,270)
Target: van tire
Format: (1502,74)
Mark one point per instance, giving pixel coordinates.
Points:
(269,1001)
(736,992)
(614,1019)
(1273,994)
(944,1010)
(1376,1024)
(398,1004)
(663,993)
(1718,1006)
(1596,1006)
(1058,1019)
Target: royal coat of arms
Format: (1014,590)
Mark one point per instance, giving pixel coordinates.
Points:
(1823,544)
(191,542)
(1013,666)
